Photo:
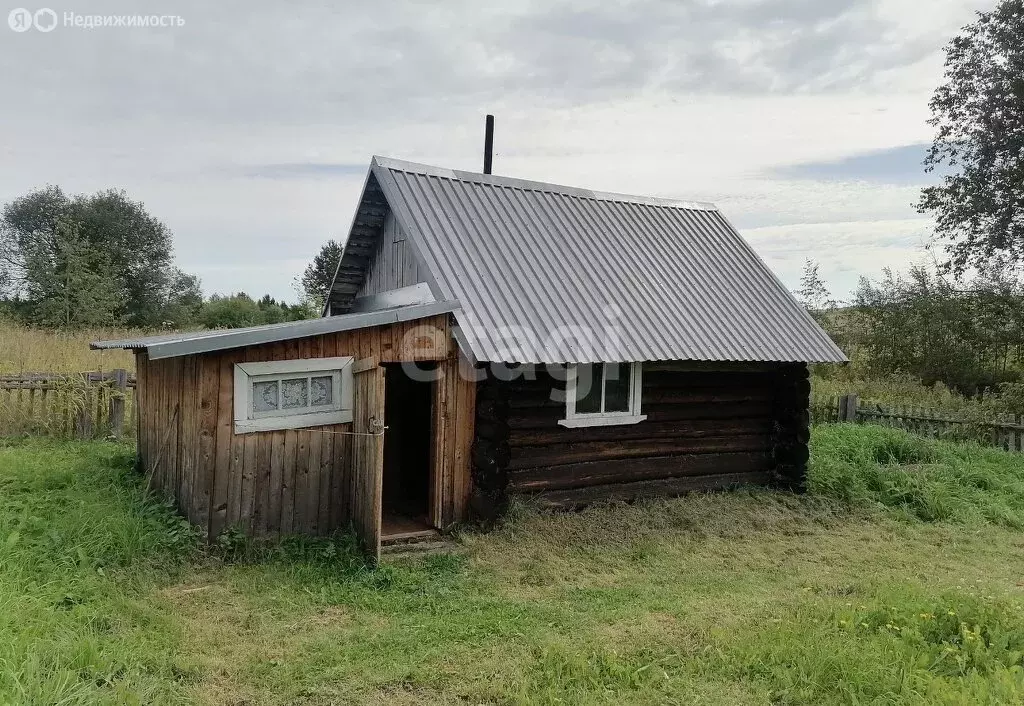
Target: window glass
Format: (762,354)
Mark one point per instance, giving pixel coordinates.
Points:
(616,387)
(294,393)
(588,389)
(264,396)
(321,390)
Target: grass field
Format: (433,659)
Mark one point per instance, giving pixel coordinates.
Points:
(31,350)
(896,580)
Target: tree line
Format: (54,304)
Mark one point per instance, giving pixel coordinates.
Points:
(101,260)
(967,334)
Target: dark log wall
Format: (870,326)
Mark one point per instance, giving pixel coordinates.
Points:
(791,427)
(707,427)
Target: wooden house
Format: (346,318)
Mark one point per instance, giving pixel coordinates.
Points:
(485,338)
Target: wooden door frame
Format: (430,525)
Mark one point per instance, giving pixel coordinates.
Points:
(435,509)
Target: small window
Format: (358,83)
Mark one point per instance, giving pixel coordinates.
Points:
(291,394)
(602,394)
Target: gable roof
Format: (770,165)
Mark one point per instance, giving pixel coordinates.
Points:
(554,274)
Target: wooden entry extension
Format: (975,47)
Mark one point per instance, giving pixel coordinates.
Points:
(453,409)
(291,481)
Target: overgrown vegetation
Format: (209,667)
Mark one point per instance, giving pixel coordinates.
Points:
(895,580)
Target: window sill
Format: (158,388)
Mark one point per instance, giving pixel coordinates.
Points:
(299,421)
(603,420)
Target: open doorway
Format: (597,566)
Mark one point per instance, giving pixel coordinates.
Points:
(407,454)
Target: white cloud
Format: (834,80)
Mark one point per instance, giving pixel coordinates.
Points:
(845,250)
(694,100)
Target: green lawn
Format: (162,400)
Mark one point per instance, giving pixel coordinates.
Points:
(897,579)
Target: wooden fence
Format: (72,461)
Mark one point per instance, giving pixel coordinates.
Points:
(88,405)
(1005,431)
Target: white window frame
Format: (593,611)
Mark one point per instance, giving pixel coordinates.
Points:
(340,412)
(596,419)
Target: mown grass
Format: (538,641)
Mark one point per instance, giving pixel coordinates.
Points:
(894,580)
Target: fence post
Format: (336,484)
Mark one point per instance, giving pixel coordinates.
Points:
(120,380)
(848,408)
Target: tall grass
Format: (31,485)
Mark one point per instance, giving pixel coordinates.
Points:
(25,349)
(929,480)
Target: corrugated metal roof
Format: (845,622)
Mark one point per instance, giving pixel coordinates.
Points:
(177,344)
(553,274)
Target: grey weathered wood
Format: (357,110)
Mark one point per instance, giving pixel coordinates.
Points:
(393,264)
(848,408)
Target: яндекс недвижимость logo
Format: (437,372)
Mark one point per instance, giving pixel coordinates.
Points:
(44,20)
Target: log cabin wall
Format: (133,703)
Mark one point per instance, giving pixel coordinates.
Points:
(294,480)
(708,426)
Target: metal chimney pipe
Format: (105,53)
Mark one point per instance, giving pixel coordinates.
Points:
(488,143)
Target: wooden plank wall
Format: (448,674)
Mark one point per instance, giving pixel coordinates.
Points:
(286,481)
(168,425)
(705,428)
(393,265)
(454,405)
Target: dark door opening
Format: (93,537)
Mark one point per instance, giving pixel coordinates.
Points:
(407,453)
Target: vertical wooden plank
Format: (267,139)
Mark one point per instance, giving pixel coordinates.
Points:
(275,490)
(175,449)
(439,441)
(189,440)
(300,518)
(158,405)
(314,441)
(219,499)
(236,472)
(248,492)
(465,423)
(326,471)
(288,482)
(205,480)
(140,418)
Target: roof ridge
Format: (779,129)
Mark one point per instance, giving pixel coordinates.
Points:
(538,186)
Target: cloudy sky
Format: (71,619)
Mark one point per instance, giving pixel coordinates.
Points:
(248,128)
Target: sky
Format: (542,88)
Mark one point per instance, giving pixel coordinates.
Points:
(247,127)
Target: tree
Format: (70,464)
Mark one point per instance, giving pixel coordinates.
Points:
(184,301)
(135,245)
(978,114)
(70,283)
(319,274)
(813,293)
(970,338)
(234,311)
(139,247)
